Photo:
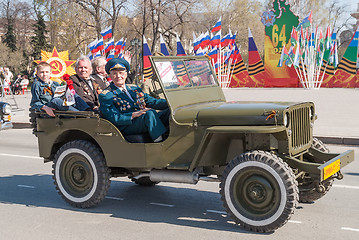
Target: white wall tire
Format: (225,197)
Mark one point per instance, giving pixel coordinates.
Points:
(259,191)
(80,174)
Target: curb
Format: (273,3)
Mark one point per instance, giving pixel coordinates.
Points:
(339,140)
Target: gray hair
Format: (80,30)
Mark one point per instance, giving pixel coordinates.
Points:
(98,62)
(82,58)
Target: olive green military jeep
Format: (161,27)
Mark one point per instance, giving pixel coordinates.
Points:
(262,153)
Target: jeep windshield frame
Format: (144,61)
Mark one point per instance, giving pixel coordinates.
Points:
(186,80)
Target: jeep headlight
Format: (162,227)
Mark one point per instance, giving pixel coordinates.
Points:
(6,109)
(286,119)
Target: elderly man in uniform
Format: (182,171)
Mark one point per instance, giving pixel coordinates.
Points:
(99,73)
(83,83)
(131,110)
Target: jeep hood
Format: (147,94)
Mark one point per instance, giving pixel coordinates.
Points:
(233,113)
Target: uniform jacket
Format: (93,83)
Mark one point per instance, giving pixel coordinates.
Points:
(117,107)
(101,83)
(42,93)
(83,89)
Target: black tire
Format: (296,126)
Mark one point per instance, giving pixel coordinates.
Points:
(144,181)
(259,191)
(80,174)
(307,187)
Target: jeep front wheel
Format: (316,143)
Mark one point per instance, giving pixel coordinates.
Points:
(80,174)
(259,191)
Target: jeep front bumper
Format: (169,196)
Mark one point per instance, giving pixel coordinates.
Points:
(333,163)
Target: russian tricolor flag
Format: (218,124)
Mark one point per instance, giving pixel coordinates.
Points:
(180,49)
(123,45)
(226,39)
(111,55)
(205,41)
(118,46)
(99,46)
(213,54)
(164,50)
(92,45)
(107,33)
(217,26)
(196,42)
(109,46)
(216,40)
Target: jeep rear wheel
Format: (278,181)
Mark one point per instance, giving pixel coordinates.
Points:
(80,174)
(259,191)
(307,187)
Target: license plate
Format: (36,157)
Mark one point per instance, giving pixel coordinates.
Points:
(331,169)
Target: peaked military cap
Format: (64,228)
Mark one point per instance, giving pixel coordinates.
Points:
(117,63)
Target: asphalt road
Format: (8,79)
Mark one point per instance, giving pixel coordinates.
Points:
(30,208)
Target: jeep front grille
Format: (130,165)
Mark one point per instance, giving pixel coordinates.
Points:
(301,133)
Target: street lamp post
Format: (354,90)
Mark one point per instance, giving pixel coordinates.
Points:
(135,43)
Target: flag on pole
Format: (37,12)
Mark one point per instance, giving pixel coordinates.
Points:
(180,49)
(213,54)
(307,21)
(111,55)
(345,76)
(205,41)
(255,64)
(118,46)
(217,26)
(147,68)
(123,45)
(233,39)
(196,42)
(294,37)
(92,45)
(226,39)
(216,40)
(99,46)
(283,57)
(109,46)
(164,50)
(89,55)
(107,33)
(240,77)
(98,54)
(200,52)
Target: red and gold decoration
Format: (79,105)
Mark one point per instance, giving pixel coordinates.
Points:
(60,63)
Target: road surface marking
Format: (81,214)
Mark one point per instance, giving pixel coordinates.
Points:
(350,229)
(196,219)
(115,198)
(25,186)
(292,221)
(346,186)
(215,211)
(23,156)
(161,204)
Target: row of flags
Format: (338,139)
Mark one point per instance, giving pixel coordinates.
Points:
(314,55)
(110,48)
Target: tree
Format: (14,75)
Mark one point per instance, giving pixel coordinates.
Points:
(10,38)
(39,41)
(167,17)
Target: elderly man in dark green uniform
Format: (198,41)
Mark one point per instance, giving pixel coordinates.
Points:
(131,110)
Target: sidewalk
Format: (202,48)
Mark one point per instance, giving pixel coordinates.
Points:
(337,109)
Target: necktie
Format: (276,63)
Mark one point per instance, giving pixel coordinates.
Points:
(127,93)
